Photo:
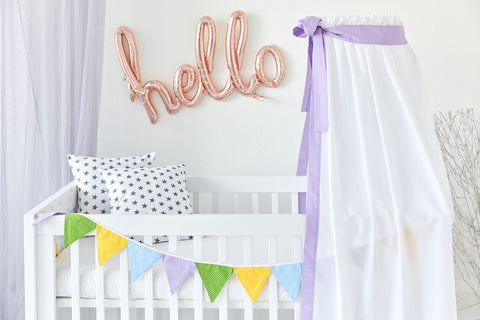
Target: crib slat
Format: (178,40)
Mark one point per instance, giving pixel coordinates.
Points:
(215,202)
(247,260)
(148,285)
(124,286)
(100,289)
(198,286)
(196,202)
(294,202)
(223,296)
(75,279)
(297,247)
(297,255)
(46,294)
(274,203)
(255,206)
(236,203)
(272,281)
(172,247)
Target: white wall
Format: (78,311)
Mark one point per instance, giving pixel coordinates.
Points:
(241,136)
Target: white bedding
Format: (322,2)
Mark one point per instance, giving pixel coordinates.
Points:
(161,289)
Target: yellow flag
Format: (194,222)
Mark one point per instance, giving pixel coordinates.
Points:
(252,279)
(409,243)
(108,243)
(409,240)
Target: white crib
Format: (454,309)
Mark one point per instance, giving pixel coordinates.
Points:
(215,198)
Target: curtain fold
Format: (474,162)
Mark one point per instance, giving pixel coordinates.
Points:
(51,55)
(384,240)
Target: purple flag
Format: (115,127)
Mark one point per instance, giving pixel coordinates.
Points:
(177,271)
(39,217)
(141,258)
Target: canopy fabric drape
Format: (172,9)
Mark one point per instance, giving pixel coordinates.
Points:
(51,55)
(384,247)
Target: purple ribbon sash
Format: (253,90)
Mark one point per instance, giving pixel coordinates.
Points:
(315,104)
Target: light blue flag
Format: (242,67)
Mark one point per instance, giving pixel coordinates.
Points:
(141,258)
(360,254)
(289,276)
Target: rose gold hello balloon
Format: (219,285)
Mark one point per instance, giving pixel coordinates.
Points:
(188,78)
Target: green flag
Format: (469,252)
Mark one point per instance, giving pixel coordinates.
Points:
(75,227)
(213,277)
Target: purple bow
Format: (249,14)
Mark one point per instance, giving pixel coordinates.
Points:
(314,87)
(315,104)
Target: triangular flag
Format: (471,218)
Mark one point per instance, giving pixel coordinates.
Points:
(252,279)
(214,277)
(177,270)
(391,242)
(327,274)
(289,276)
(39,217)
(75,227)
(359,255)
(108,243)
(409,242)
(141,258)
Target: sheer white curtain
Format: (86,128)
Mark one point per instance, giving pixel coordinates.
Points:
(51,54)
(384,246)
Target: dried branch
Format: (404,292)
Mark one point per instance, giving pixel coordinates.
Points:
(459,135)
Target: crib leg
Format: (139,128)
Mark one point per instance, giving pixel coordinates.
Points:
(46,286)
(30,254)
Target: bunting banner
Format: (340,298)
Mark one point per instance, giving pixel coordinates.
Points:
(289,276)
(75,227)
(141,258)
(252,279)
(108,243)
(177,270)
(214,277)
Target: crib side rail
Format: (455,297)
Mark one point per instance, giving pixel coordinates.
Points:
(230,184)
(64,200)
(196,224)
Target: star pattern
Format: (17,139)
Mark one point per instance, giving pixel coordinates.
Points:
(161,190)
(92,191)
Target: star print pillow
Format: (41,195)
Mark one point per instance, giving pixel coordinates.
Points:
(161,190)
(91,188)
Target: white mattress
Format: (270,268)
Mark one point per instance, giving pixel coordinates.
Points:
(161,289)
